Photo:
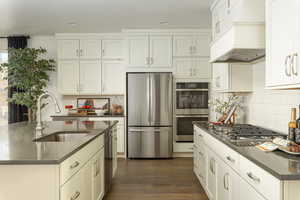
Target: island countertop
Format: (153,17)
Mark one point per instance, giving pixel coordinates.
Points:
(281,165)
(17,145)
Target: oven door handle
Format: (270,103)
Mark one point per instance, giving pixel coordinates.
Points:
(190,116)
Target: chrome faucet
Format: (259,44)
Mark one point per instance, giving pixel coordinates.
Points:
(39,127)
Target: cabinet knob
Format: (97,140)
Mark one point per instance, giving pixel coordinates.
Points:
(74,165)
(75,196)
(230,159)
(254,178)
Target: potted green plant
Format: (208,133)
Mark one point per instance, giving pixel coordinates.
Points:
(28,72)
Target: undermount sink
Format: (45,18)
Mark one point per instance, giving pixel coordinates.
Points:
(63,136)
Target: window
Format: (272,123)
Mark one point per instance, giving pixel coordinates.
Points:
(3,92)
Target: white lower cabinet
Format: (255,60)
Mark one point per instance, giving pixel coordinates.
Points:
(211,183)
(87,182)
(228,177)
(227,182)
(98,175)
(79,186)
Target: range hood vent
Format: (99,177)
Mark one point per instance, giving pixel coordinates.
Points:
(244,42)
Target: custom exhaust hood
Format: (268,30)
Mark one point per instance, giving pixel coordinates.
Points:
(241,36)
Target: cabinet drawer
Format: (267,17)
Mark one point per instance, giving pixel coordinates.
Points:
(199,136)
(224,152)
(230,157)
(71,165)
(262,181)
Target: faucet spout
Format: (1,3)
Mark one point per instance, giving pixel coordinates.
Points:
(39,114)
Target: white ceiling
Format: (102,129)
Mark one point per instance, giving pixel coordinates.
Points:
(40,17)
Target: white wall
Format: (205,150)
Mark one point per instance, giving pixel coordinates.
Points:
(270,108)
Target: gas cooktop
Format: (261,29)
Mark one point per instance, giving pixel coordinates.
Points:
(249,135)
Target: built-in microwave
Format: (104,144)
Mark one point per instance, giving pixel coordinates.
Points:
(191,98)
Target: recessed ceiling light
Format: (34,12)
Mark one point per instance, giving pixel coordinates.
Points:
(72,24)
(163,23)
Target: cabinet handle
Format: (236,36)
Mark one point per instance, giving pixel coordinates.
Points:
(295,64)
(254,178)
(151,60)
(77,52)
(230,159)
(74,165)
(217,27)
(212,161)
(200,153)
(191,50)
(218,78)
(81,52)
(75,196)
(287,63)
(225,181)
(103,52)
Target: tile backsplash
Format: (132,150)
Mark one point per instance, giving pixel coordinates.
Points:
(264,107)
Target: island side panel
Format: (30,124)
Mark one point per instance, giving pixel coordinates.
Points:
(291,190)
(29,182)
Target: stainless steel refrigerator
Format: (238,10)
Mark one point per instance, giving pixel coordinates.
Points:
(149,115)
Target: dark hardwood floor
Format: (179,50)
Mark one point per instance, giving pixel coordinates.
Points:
(156,180)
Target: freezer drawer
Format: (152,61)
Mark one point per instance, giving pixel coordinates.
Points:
(150,142)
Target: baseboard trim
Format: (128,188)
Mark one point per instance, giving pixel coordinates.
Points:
(183,155)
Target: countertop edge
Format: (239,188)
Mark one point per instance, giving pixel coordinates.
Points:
(259,164)
(59,161)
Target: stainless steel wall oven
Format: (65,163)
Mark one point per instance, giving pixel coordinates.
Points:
(191,104)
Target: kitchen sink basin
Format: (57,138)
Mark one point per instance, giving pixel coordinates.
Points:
(63,136)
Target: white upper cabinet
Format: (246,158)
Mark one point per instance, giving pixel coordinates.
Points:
(113,77)
(68,77)
(192,68)
(80,64)
(201,68)
(150,51)
(90,49)
(183,45)
(160,51)
(138,51)
(232,77)
(183,67)
(201,45)
(191,45)
(283,29)
(90,77)
(68,49)
(112,49)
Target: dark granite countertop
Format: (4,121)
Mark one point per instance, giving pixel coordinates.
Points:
(17,146)
(281,165)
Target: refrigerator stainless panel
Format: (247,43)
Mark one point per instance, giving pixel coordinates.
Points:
(138,99)
(161,102)
(150,142)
